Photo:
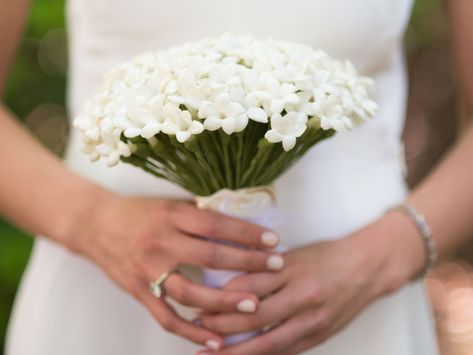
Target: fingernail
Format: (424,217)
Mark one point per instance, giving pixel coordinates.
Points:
(269,239)
(246,306)
(275,262)
(212,344)
(197,322)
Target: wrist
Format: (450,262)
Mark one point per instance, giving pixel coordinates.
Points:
(85,201)
(393,249)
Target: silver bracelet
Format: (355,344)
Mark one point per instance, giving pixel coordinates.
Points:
(426,234)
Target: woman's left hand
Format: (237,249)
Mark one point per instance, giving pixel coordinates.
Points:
(322,287)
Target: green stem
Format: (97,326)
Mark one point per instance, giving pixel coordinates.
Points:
(225,140)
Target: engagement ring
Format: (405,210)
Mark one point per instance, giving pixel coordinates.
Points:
(157,287)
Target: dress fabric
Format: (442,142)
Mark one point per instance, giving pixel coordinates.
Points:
(66,305)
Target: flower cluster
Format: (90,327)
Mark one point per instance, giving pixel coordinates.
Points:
(223,83)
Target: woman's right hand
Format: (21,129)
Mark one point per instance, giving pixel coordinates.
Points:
(135,240)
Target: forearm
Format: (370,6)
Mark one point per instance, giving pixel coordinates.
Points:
(37,192)
(393,245)
(446,197)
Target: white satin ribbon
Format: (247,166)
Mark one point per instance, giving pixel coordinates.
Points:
(256,205)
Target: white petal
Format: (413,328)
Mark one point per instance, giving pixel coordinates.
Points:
(288,142)
(325,123)
(338,125)
(182,136)
(113,159)
(347,122)
(370,106)
(273,136)
(150,130)
(229,125)
(276,119)
(277,106)
(94,156)
(103,149)
(241,122)
(292,99)
(168,127)
(212,123)
(132,132)
(175,99)
(206,109)
(171,87)
(186,116)
(123,149)
(258,114)
(156,105)
(223,102)
(93,133)
(196,127)
(234,109)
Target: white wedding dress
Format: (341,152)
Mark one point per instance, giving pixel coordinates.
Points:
(67,306)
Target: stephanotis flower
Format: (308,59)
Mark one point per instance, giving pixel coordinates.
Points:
(223,113)
(180,123)
(222,83)
(287,128)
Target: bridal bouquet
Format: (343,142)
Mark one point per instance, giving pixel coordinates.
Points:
(223,118)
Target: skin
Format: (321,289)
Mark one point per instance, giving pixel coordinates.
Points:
(135,239)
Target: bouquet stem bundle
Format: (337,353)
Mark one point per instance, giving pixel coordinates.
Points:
(212,161)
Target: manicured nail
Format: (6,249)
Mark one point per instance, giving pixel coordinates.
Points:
(246,306)
(269,239)
(275,262)
(212,344)
(197,322)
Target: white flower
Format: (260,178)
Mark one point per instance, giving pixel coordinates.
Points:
(222,83)
(332,115)
(286,129)
(274,97)
(180,123)
(224,113)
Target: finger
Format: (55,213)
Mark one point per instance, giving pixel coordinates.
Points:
(172,322)
(191,294)
(271,311)
(324,330)
(216,225)
(306,343)
(194,251)
(275,341)
(261,284)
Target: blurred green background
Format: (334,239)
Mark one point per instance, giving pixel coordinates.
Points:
(36,88)
(36,93)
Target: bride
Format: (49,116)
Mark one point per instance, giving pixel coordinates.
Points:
(348,284)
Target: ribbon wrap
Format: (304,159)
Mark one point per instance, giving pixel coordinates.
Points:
(256,205)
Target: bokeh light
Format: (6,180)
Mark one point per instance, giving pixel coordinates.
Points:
(52,52)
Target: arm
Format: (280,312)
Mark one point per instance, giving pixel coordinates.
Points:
(38,202)
(445,197)
(35,185)
(461,13)
(134,240)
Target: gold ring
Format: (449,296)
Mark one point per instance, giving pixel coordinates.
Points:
(157,287)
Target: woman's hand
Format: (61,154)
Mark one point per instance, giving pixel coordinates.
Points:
(322,288)
(135,240)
